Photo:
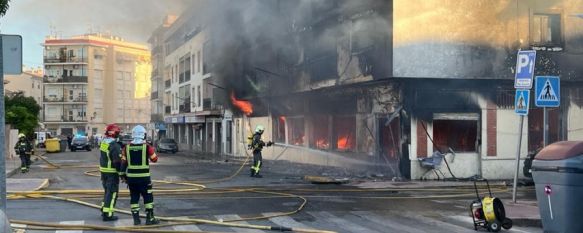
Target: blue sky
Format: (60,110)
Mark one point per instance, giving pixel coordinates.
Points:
(133,20)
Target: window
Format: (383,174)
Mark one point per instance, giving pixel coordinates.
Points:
(345,135)
(535,127)
(460,135)
(193,64)
(296,129)
(199,60)
(198,96)
(546,29)
(321,133)
(192,101)
(279,129)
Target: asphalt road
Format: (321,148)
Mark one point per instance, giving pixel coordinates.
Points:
(329,207)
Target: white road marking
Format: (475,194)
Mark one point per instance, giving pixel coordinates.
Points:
(286,221)
(71,223)
(342,223)
(386,221)
(236,229)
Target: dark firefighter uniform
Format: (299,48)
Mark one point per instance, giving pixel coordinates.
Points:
(136,160)
(24,149)
(109,166)
(257,145)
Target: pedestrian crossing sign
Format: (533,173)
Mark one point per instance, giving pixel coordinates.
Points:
(521,100)
(548,91)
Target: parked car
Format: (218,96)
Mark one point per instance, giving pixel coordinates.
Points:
(167,145)
(126,139)
(80,143)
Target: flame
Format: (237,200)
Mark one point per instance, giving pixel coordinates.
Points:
(245,106)
(342,143)
(322,143)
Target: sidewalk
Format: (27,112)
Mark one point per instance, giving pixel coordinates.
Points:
(13,164)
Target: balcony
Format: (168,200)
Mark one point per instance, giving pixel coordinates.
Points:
(167,83)
(62,118)
(53,99)
(61,99)
(65,79)
(64,59)
(154,95)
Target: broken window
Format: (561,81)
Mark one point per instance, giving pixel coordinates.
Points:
(345,136)
(390,137)
(279,129)
(460,135)
(535,127)
(320,133)
(296,128)
(546,29)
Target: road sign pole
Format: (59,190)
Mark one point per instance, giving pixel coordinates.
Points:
(517,162)
(2,136)
(545,127)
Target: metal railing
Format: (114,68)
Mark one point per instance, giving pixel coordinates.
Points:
(64,59)
(65,79)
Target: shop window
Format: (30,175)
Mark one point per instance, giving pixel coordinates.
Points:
(321,133)
(345,136)
(390,138)
(460,135)
(279,129)
(296,128)
(535,127)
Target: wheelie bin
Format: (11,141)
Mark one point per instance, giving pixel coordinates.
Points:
(558,176)
(52,145)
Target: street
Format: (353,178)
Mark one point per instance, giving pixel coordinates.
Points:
(339,208)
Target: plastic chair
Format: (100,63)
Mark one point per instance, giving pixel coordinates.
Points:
(433,163)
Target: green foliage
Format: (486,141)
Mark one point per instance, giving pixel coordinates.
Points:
(22,113)
(4,4)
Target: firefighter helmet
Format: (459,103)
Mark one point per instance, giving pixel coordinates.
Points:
(259,129)
(21,135)
(139,132)
(112,130)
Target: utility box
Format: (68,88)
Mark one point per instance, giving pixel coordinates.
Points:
(558,176)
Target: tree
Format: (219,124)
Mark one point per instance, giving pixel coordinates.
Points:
(4,4)
(22,113)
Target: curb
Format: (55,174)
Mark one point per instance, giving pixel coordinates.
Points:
(527,222)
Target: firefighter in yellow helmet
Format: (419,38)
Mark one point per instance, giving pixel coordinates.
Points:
(257,145)
(24,149)
(136,158)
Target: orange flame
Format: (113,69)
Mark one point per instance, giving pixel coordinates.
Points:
(245,106)
(342,143)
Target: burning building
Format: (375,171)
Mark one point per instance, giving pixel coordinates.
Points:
(375,85)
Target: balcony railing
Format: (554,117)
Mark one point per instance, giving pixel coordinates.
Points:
(65,79)
(65,59)
(79,99)
(65,119)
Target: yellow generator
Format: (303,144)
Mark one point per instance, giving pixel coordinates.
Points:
(488,212)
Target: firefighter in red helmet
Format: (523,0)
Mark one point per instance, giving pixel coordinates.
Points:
(110,167)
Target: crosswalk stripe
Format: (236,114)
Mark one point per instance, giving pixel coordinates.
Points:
(71,223)
(342,223)
(386,221)
(436,222)
(228,217)
(187,228)
(124,222)
(286,221)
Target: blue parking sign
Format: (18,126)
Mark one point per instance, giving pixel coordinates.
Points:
(547,91)
(521,102)
(525,61)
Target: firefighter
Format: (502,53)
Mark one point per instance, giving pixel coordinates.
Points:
(110,168)
(136,158)
(24,149)
(257,145)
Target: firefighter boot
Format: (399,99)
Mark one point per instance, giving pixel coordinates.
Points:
(150,219)
(252,173)
(109,218)
(136,215)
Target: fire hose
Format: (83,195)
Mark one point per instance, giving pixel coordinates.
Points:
(199,188)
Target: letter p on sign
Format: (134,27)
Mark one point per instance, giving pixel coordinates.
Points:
(525,61)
